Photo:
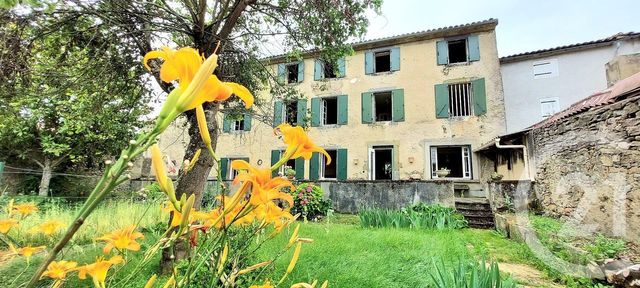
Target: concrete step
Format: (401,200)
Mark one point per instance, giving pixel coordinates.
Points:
(477,211)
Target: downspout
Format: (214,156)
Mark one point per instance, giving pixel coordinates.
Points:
(525,155)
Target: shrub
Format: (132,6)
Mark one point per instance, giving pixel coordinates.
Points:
(420,216)
(604,247)
(308,201)
(469,274)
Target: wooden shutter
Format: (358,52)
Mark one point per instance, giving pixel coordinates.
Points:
(479,97)
(299,168)
(277,113)
(281,74)
(247,122)
(318,71)
(341,164)
(224,167)
(395,58)
(300,71)
(316,110)
(302,112)
(343,110)
(314,165)
(367,115)
(442,100)
(342,67)
(275,156)
(369,62)
(397,104)
(442,49)
(226,123)
(473,46)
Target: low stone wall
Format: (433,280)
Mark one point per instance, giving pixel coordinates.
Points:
(508,196)
(349,196)
(588,168)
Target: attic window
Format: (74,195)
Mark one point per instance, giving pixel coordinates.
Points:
(457,51)
(292,73)
(383,61)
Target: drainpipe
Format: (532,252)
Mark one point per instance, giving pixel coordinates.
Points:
(524,155)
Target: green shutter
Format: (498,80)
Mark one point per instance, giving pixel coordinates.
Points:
(442,100)
(479,97)
(226,123)
(1,171)
(395,58)
(277,113)
(342,67)
(367,115)
(442,49)
(299,168)
(315,111)
(302,112)
(224,167)
(275,156)
(247,122)
(281,74)
(300,71)
(314,165)
(341,164)
(473,45)
(397,104)
(368,62)
(343,110)
(318,71)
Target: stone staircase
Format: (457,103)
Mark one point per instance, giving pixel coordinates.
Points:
(477,211)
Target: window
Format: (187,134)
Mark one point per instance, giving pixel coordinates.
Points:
(382,61)
(549,106)
(457,51)
(238,125)
(545,69)
(329,70)
(460,103)
(329,171)
(290,112)
(455,158)
(382,107)
(329,111)
(229,173)
(292,73)
(381,163)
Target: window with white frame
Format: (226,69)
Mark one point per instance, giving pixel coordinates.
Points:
(232,173)
(456,159)
(329,171)
(545,68)
(238,124)
(329,111)
(549,106)
(460,101)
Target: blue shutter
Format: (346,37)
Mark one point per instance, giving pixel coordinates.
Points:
(397,104)
(367,115)
(442,49)
(302,112)
(299,168)
(275,156)
(315,111)
(395,58)
(247,122)
(442,100)
(224,167)
(341,164)
(368,62)
(281,74)
(318,71)
(479,97)
(314,165)
(343,110)
(300,71)
(342,68)
(473,45)
(226,123)
(277,113)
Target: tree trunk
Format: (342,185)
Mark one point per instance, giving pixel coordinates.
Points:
(47,169)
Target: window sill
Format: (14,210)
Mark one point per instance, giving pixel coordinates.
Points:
(468,63)
(329,126)
(331,79)
(382,73)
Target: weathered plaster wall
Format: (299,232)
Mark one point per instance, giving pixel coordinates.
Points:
(588,168)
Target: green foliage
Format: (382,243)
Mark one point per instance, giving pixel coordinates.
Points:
(604,247)
(419,216)
(309,202)
(469,274)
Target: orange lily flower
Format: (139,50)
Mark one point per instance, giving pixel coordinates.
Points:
(98,270)
(264,188)
(267,284)
(27,251)
(50,227)
(121,239)
(177,216)
(7,224)
(299,143)
(25,208)
(58,270)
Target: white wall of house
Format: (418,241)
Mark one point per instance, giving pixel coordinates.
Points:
(543,84)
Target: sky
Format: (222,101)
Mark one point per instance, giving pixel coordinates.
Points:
(524,25)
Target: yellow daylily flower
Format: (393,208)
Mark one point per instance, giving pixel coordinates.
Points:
(49,227)
(294,258)
(298,143)
(264,188)
(202,126)
(267,284)
(58,270)
(161,174)
(98,270)
(27,251)
(122,239)
(7,224)
(25,208)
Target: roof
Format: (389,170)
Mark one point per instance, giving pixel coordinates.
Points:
(484,25)
(608,96)
(568,48)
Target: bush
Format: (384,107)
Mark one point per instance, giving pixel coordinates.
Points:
(419,216)
(308,201)
(470,274)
